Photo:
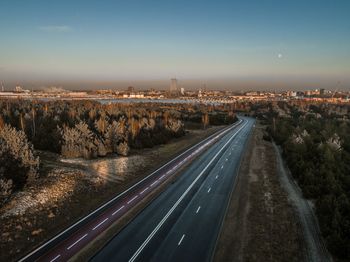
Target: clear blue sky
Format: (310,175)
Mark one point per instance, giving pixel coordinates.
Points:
(149,40)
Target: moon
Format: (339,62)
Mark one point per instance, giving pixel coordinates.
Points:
(279,56)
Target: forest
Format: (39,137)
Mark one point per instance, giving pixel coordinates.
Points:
(315,140)
(89,129)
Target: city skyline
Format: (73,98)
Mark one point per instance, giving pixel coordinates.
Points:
(225,44)
(237,85)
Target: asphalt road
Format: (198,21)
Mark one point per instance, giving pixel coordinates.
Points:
(70,241)
(183,223)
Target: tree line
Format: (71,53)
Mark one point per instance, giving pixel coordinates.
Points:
(315,140)
(89,129)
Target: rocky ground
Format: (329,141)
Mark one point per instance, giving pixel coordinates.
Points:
(70,188)
(261,224)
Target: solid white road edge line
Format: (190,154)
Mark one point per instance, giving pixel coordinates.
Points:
(220,132)
(138,251)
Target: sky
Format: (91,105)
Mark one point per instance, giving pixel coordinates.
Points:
(223,44)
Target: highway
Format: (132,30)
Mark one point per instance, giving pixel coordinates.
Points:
(183,223)
(72,240)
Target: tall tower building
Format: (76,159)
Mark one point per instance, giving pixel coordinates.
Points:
(2,87)
(173,87)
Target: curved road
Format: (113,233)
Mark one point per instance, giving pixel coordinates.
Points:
(183,223)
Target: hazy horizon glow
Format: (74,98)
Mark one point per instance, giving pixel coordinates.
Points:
(278,41)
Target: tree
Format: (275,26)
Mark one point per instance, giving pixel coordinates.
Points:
(17,161)
(78,141)
(205,120)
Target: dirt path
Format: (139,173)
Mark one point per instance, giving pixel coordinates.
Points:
(316,250)
(261,224)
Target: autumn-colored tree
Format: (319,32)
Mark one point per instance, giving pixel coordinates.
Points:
(165,117)
(33,121)
(101,124)
(21,122)
(78,141)
(92,114)
(110,125)
(2,123)
(205,120)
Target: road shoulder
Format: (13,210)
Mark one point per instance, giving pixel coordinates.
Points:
(260,224)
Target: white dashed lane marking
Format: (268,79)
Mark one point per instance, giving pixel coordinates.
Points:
(115,212)
(143,191)
(155,182)
(100,223)
(182,238)
(55,258)
(132,199)
(76,242)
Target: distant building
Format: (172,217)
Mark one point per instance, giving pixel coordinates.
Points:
(312,92)
(19,89)
(131,89)
(133,95)
(104,91)
(252,93)
(54,89)
(12,94)
(291,93)
(174,91)
(76,94)
(300,94)
(182,91)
